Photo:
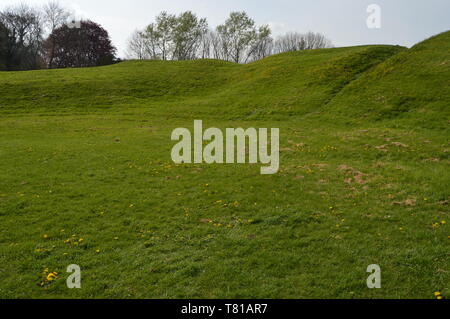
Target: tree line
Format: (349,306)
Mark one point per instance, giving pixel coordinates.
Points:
(238,39)
(45,37)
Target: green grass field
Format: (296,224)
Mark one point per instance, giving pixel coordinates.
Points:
(86,178)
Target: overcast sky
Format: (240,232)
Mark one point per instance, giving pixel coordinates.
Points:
(404,22)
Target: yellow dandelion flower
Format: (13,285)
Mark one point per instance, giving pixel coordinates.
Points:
(437,293)
(45,236)
(52,276)
(440,297)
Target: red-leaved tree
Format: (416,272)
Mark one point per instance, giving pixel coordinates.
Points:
(83,46)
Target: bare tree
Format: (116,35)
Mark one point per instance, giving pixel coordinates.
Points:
(288,43)
(217,51)
(316,41)
(146,44)
(54,17)
(206,45)
(137,46)
(296,42)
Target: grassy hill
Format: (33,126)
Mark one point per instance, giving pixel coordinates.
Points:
(412,86)
(286,84)
(87,179)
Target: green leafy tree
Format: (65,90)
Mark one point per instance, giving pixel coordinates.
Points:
(187,35)
(162,33)
(170,37)
(237,34)
(261,46)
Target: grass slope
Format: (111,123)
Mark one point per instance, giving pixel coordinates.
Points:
(412,86)
(285,84)
(86,178)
